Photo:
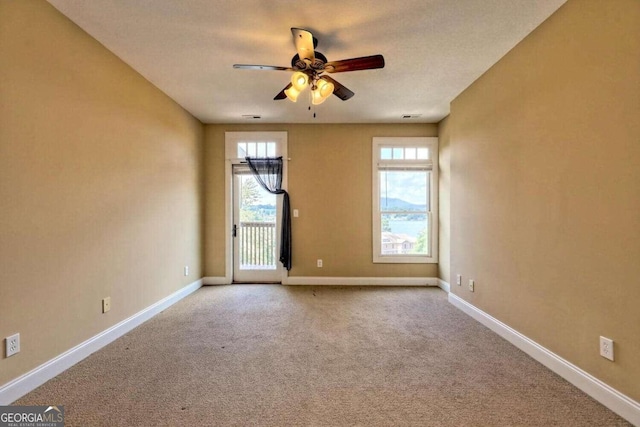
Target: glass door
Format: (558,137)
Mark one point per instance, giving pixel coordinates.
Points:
(256,230)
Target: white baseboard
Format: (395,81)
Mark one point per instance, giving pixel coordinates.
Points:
(444,285)
(347,281)
(362,281)
(22,385)
(215,281)
(622,405)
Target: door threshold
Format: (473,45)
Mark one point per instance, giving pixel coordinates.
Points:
(235,282)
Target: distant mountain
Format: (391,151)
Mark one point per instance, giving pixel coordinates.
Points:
(264,207)
(390,203)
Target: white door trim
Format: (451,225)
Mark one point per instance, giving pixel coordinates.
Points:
(231,140)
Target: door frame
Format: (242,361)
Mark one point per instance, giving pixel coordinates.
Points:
(231,141)
(252,276)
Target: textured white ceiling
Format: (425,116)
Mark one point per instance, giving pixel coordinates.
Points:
(433,50)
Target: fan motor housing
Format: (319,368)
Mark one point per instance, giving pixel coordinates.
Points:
(318,63)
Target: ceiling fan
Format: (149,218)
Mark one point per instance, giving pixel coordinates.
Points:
(309,67)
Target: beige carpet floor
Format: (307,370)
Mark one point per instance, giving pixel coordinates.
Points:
(264,355)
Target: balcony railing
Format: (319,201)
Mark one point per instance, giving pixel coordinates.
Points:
(257,246)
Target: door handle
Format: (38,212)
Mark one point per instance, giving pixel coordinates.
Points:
(235,230)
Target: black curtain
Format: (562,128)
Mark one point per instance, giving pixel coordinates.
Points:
(268,173)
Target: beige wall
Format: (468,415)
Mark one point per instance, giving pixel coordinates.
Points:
(444,193)
(330,184)
(99,187)
(545,177)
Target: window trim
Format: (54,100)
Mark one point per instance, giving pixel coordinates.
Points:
(377,164)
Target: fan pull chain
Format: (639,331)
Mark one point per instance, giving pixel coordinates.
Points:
(310,102)
(314,108)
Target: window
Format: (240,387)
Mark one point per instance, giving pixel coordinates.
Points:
(405,200)
(239,145)
(256,149)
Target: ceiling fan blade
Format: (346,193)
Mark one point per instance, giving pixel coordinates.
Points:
(355,64)
(338,89)
(304,42)
(261,67)
(282,95)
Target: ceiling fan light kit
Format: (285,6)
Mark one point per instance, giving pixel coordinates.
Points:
(321,89)
(309,67)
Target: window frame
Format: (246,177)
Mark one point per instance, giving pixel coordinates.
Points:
(430,164)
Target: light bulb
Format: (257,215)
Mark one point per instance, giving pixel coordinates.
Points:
(299,81)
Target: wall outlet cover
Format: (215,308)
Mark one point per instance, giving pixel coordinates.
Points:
(606,348)
(12,345)
(106,304)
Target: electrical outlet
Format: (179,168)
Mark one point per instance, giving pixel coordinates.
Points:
(472,285)
(186,270)
(12,345)
(319,263)
(106,304)
(606,348)
(296,213)
(459,279)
